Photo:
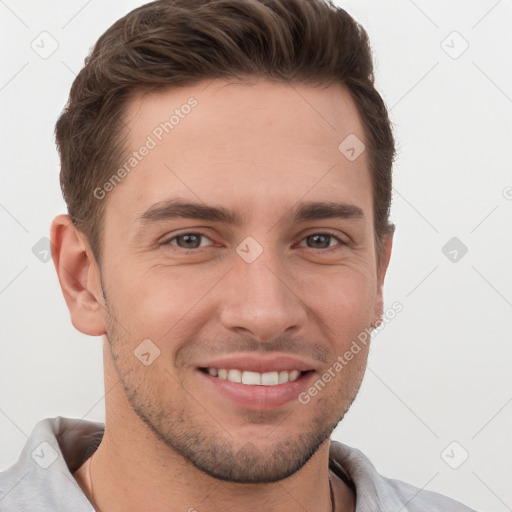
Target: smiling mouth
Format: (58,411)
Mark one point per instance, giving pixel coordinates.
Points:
(254,378)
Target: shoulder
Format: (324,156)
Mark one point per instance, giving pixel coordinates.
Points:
(376,492)
(42,477)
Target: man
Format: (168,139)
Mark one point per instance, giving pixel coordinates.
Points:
(227,171)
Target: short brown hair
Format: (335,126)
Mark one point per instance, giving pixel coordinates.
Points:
(174,43)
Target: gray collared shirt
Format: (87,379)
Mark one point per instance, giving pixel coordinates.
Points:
(42,479)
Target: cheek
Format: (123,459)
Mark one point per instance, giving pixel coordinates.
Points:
(344,299)
(158,301)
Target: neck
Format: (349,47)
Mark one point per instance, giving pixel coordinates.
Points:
(122,480)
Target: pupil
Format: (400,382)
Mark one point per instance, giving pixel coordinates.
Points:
(188,238)
(324,237)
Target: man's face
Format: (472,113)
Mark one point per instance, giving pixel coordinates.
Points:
(197,288)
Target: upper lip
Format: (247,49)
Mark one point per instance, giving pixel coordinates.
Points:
(259,363)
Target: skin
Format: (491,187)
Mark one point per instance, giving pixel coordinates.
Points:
(171,442)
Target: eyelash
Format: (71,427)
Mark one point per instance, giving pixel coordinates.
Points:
(199,249)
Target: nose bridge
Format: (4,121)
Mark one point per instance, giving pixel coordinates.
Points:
(262,298)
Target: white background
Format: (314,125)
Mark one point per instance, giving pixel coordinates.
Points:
(440,371)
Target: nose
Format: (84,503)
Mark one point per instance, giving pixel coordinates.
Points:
(261,298)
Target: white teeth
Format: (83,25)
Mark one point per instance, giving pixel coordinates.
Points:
(255,378)
(251,378)
(235,375)
(270,379)
(294,375)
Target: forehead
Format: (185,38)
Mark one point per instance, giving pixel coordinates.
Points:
(251,145)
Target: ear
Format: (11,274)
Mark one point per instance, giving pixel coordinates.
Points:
(382,266)
(79,276)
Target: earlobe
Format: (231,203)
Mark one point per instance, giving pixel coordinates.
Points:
(78,276)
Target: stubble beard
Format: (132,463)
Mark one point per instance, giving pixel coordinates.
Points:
(209,447)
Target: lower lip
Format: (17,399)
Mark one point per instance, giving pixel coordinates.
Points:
(258,397)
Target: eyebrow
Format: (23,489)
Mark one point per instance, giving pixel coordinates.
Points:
(312,210)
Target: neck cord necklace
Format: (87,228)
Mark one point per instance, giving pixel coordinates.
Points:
(98,509)
(333,505)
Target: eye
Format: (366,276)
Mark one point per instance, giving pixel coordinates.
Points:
(194,241)
(187,240)
(322,241)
